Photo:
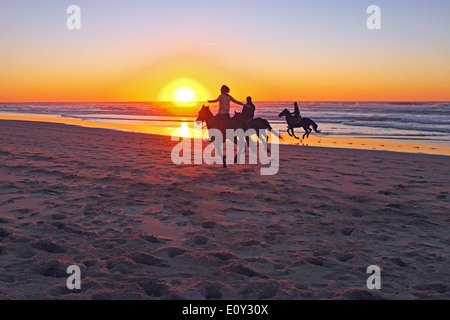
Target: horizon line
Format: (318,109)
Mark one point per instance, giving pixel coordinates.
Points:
(205,102)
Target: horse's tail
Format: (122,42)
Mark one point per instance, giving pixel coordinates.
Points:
(269,127)
(315,126)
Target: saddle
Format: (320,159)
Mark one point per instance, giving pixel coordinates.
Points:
(222,118)
(297,120)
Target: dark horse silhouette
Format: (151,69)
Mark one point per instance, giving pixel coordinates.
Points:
(212,122)
(258,124)
(304,123)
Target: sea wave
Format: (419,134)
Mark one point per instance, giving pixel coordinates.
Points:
(344,118)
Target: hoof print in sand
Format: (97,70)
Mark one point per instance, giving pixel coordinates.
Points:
(52,268)
(152,239)
(197,240)
(358,294)
(346,231)
(4,233)
(121,264)
(208,224)
(148,259)
(47,245)
(317,261)
(153,287)
(343,257)
(399,262)
(186,212)
(224,256)
(242,270)
(261,289)
(171,252)
(210,290)
(433,287)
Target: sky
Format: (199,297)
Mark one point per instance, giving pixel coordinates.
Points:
(141,50)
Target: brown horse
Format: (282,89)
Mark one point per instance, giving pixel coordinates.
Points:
(222,123)
(258,124)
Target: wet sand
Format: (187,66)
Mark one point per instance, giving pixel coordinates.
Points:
(314,140)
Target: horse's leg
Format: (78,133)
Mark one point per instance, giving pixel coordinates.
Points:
(292,131)
(220,153)
(306,132)
(235,141)
(264,142)
(239,150)
(293,134)
(237,153)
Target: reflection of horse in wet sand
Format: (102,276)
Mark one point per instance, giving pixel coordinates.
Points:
(258,124)
(222,124)
(294,122)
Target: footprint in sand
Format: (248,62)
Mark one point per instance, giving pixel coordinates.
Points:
(343,257)
(48,246)
(52,268)
(347,231)
(153,287)
(208,224)
(4,233)
(171,252)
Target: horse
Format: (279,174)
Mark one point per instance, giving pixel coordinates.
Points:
(258,124)
(213,122)
(304,123)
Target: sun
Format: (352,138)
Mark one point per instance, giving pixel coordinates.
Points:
(184,94)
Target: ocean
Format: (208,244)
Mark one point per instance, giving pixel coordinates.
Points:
(413,126)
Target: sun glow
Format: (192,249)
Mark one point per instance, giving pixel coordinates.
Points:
(184,94)
(184,91)
(183,131)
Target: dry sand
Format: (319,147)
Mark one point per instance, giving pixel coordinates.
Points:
(141,227)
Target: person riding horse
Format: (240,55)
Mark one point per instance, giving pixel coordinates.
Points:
(296,113)
(248,111)
(224,103)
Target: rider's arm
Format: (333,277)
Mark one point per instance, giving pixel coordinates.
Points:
(235,101)
(213,101)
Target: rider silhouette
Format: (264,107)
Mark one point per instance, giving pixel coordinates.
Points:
(248,111)
(224,103)
(296,113)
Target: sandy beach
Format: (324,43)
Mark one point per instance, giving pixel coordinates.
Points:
(140,227)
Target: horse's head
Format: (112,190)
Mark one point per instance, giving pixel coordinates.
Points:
(284,113)
(237,114)
(204,113)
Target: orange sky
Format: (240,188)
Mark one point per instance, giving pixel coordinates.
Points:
(315,82)
(122,55)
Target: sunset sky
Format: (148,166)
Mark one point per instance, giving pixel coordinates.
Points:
(272,50)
